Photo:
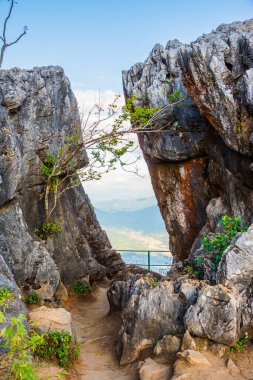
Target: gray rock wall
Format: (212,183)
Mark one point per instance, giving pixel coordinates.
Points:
(38,111)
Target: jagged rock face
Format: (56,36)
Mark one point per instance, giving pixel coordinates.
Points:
(37,112)
(182,192)
(152,312)
(218,74)
(210,131)
(201,170)
(236,272)
(175,155)
(216,315)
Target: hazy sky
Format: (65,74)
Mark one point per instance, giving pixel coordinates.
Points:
(94,40)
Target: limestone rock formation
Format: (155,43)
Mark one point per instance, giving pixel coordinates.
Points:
(37,112)
(152,313)
(218,74)
(200,158)
(216,315)
(202,151)
(176,155)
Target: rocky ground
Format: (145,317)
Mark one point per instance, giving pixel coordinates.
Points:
(174,357)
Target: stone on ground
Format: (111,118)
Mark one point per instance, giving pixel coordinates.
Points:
(168,346)
(52,319)
(188,342)
(194,358)
(151,370)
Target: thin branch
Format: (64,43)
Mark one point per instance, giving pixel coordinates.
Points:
(7,19)
(19,38)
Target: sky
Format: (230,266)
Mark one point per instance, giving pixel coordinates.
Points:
(94,40)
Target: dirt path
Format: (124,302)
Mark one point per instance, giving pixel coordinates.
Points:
(97,331)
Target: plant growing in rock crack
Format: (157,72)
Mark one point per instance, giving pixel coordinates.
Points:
(176,96)
(105,136)
(32,299)
(218,244)
(196,268)
(81,288)
(6,297)
(241,344)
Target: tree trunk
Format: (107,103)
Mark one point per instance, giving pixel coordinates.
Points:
(2,54)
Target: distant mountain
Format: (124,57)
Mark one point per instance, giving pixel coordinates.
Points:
(123,238)
(126,205)
(133,224)
(147,220)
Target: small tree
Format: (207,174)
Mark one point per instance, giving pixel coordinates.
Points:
(3,37)
(105,136)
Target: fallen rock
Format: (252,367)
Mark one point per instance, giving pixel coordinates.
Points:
(52,319)
(194,358)
(167,347)
(151,370)
(188,342)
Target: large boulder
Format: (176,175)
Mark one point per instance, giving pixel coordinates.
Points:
(52,319)
(151,370)
(151,313)
(216,315)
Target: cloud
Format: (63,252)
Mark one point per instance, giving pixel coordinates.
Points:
(116,184)
(87,98)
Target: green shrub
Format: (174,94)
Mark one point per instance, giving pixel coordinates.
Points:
(218,244)
(32,299)
(154,343)
(176,96)
(81,288)
(196,270)
(61,345)
(240,345)
(48,229)
(5,296)
(16,363)
(142,115)
(154,284)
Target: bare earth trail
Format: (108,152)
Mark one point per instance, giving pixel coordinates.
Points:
(97,331)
